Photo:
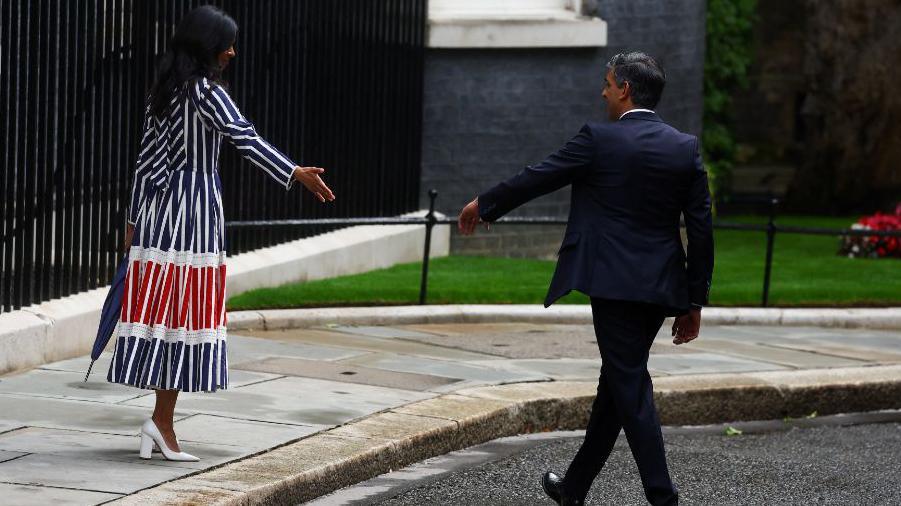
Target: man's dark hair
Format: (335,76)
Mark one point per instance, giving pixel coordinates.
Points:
(644,75)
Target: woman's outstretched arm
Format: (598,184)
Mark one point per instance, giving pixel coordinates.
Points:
(220,112)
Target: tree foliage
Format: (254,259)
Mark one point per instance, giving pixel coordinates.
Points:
(728,55)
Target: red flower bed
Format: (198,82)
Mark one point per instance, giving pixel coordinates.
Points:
(873,246)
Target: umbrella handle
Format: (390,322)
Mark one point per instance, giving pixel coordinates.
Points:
(89,371)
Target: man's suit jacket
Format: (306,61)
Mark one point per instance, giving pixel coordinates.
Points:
(631,179)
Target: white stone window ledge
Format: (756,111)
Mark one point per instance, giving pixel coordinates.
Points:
(548,28)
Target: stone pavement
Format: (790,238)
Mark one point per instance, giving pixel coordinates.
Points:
(69,442)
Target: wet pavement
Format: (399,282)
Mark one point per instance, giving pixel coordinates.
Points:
(60,437)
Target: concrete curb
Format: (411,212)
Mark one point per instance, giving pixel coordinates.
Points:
(329,460)
(884,318)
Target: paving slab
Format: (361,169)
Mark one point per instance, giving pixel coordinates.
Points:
(246,434)
(698,363)
(114,447)
(459,408)
(347,373)
(873,341)
(73,414)
(245,347)
(8,455)
(539,341)
(362,345)
(559,368)
(460,370)
(304,401)
(814,377)
(450,329)
(526,392)
(888,339)
(847,350)
(81,473)
(29,495)
(663,345)
(67,385)
(708,381)
(392,426)
(70,414)
(238,378)
(372,331)
(880,340)
(6,426)
(799,359)
(80,365)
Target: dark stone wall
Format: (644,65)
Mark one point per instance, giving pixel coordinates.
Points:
(851,112)
(766,117)
(822,101)
(489,112)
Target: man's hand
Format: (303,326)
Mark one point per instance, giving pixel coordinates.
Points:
(469,218)
(687,327)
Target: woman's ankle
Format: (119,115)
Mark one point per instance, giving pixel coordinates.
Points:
(162,423)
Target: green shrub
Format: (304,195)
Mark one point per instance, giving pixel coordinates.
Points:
(728,55)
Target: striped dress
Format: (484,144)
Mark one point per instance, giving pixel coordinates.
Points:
(171,333)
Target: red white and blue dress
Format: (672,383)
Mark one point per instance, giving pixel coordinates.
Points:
(171,333)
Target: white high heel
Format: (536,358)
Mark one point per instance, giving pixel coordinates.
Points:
(150,434)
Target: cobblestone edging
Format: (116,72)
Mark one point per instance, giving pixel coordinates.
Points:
(332,459)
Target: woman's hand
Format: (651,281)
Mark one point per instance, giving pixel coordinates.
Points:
(129,234)
(309,177)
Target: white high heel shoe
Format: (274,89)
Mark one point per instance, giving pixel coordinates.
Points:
(150,434)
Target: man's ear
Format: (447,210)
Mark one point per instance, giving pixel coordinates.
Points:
(626,91)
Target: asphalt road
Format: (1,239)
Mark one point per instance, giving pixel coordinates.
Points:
(822,461)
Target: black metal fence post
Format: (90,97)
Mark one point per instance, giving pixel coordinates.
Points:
(429,225)
(770,239)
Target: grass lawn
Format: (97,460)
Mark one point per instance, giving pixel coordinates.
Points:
(806,272)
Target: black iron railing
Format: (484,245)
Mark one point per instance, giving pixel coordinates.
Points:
(771,228)
(335,84)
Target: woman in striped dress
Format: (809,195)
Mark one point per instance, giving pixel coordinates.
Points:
(171,334)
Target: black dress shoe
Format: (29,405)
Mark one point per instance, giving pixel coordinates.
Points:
(553,487)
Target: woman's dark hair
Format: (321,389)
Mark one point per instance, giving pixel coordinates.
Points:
(193,53)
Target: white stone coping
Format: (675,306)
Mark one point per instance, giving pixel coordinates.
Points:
(65,328)
(869,318)
(512,24)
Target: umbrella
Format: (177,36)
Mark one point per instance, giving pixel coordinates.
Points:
(109,316)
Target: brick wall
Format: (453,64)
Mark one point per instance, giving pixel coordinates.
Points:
(489,112)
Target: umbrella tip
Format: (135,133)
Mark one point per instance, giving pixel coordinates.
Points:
(89,371)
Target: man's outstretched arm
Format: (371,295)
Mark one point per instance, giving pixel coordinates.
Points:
(555,172)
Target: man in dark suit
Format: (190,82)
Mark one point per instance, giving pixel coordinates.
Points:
(631,180)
